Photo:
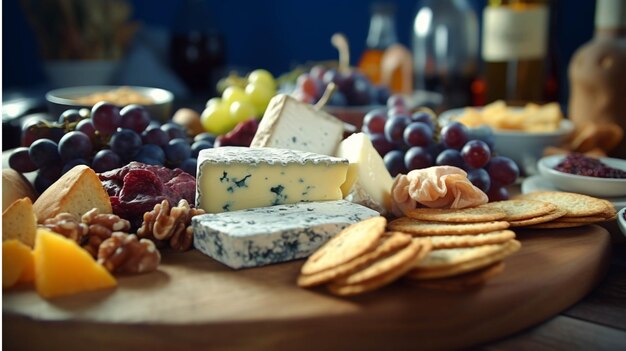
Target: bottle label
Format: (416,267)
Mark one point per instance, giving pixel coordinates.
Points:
(511,34)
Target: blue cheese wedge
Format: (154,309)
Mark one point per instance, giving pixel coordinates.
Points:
(368,182)
(261,236)
(236,178)
(291,124)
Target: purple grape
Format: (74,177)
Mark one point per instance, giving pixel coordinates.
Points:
(450,157)
(42,183)
(151,151)
(206,137)
(52,171)
(417,158)
(174,130)
(70,116)
(418,134)
(375,120)
(75,145)
(86,126)
(20,161)
(480,179)
(155,136)
(126,143)
(105,160)
(189,165)
(44,152)
(497,193)
(199,145)
(177,151)
(394,128)
(398,111)
(454,135)
(317,72)
(483,133)
(424,118)
(135,117)
(73,163)
(476,153)
(337,99)
(381,144)
(105,117)
(361,92)
(396,101)
(502,170)
(394,161)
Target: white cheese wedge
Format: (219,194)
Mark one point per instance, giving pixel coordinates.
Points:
(290,124)
(261,236)
(368,182)
(235,178)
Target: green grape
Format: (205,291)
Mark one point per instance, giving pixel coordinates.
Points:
(241,111)
(215,100)
(263,77)
(216,119)
(232,94)
(260,96)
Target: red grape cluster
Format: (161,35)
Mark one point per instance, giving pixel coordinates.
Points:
(104,138)
(409,141)
(353,88)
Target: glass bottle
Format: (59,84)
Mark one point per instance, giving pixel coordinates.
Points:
(597,72)
(445,50)
(515,35)
(196,49)
(381,35)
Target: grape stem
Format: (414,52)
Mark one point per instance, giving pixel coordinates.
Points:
(340,42)
(328,93)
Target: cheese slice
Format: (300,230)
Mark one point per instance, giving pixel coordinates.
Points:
(261,236)
(368,182)
(290,124)
(235,178)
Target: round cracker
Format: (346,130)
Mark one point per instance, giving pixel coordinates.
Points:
(350,243)
(391,242)
(463,282)
(452,262)
(457,215)
(556,225)
(576,205)
(558,213)
(457,241)
(425,228)
(383,271)
(518,209)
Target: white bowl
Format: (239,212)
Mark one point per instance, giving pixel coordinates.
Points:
(594,186)
(621,221)
(525,148)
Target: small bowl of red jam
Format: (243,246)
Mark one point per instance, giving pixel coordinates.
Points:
(574,172)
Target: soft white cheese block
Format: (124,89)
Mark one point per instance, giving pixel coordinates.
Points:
(291,124)
(261,236)
(235,178)
(368,182)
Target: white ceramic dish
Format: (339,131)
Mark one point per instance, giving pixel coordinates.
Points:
(522,147)
(594,186)
(63,99)
(621,221)
(539,183)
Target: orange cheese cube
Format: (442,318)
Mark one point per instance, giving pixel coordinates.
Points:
(17,263)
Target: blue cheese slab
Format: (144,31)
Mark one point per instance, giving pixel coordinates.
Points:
(260,236)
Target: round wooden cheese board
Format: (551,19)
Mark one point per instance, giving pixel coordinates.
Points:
(194,302)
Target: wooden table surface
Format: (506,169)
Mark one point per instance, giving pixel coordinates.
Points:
(597,322)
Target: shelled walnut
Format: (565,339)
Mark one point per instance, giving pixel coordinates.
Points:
(68,225)
(124,253)
(172,225)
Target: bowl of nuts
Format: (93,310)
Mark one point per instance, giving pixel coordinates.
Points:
(157,101)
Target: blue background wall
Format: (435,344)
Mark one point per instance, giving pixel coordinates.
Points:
(277,34)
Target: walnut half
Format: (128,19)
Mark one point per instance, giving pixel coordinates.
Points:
(124,253)
(173,225)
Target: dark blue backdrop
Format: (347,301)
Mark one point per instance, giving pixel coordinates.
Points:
(277,34)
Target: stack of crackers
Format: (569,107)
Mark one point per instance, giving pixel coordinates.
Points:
(449,249)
